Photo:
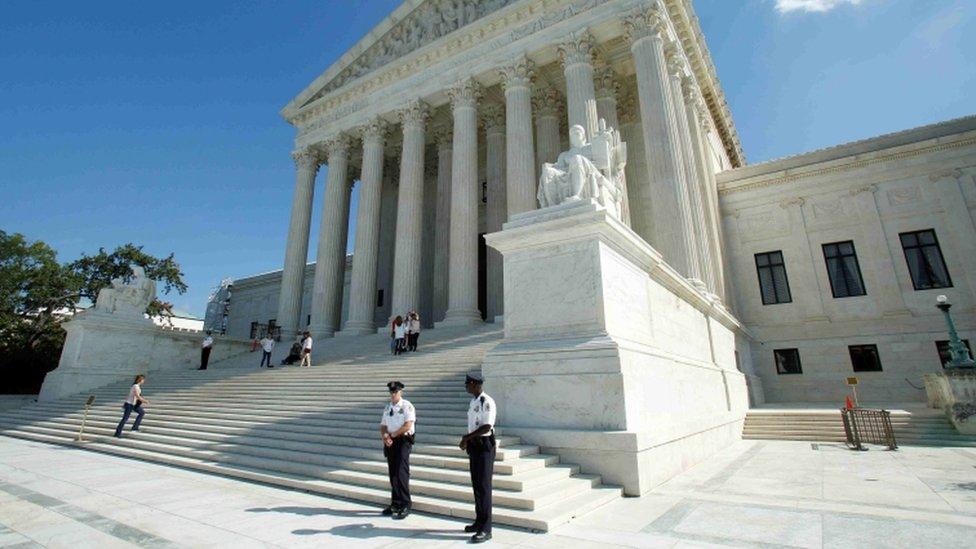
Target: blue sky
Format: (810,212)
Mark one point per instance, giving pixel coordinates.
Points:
(157,123)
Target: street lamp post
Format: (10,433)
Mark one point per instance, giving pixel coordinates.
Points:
(958,352)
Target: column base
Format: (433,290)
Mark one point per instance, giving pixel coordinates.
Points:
(321,331)
(460,317)
(357,329)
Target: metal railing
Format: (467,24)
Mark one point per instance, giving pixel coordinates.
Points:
(866,426)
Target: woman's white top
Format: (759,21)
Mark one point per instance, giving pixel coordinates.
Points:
(134,393)
(400,331)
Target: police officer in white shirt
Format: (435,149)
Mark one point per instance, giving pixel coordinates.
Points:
(479,443)
(397,430)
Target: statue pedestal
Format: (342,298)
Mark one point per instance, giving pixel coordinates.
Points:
(610,357)
(954,391)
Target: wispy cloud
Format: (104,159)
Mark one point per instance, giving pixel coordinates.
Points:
(786,6)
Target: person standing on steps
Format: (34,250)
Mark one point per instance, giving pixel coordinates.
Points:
(306,350)
(133,402)
(397,432)
(267,345)
(413,331)
(479,443)
(205,349)
(399,335)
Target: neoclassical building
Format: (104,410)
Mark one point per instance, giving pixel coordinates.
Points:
(444,113)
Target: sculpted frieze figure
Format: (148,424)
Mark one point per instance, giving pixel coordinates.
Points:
(593,169)
(129,299)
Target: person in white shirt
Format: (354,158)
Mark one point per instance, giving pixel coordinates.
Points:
(306,350)
(397,432)
(133,402)
(267,345)
(205,349)
(413,331)
(479,443)
(399,335)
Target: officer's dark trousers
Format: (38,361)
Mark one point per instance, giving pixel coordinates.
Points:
(481,458)
(204,357)
(398,463)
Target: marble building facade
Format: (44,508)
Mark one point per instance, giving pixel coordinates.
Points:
(443,114)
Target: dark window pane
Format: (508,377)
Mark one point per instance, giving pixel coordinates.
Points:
(846,248)
(925,261)
(773,284)
(926,237)
(782,286)
(865,358)
(909,239)
(762,260)
(787,361)
(767,287)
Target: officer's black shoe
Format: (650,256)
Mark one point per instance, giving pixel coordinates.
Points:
(480,537)
(471,528)
(402,514)
(387,511)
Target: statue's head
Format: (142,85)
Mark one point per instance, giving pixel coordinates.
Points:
(577,136)
(137,271)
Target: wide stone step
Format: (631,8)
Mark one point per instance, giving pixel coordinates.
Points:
(542,519)
(366,473)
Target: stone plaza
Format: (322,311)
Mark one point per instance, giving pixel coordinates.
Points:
(557,187)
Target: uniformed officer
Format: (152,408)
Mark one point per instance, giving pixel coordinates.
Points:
(397,430)
(479,443)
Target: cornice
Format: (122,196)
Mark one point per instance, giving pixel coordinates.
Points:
(943,136)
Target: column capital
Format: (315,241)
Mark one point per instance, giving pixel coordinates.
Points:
(465,93)
(677,64)
(649,22)
(413,113)
(374,131)
(335,146)
(443,137)
(307,158)
(546,102)
(493,117)
(518,74)
(606,84)
(577,48)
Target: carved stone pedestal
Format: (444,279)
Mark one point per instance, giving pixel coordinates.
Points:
(954,391)
(610,358)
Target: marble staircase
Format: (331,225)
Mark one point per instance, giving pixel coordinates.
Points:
(913,425)
(316,429)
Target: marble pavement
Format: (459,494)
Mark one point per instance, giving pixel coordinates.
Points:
(755,494)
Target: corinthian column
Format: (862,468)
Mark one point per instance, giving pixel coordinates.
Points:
(463,274)
(296,249)
(442,230)
(577,56)
(410,206)
(362,291)
(494,119)
(696,115)
(330,260)
(520,157)
(677,72)
(666,199)
(546,104)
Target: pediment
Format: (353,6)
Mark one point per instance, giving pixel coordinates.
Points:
(413,25)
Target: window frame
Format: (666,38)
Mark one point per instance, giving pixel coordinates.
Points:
(862,347)
(799,363)
(840,257)
(770,266)
(938,248)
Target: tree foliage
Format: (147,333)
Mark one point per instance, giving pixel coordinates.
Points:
(37,293)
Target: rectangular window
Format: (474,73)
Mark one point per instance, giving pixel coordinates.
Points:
(254,330)
(925,261)
(773,284)
(843,269)
(943,348)
(787,361)
(864,358)
(379,298)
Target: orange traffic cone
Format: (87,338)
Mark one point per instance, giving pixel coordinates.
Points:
(848,402)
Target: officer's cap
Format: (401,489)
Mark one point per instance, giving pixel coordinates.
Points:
(474,377)
(394,386)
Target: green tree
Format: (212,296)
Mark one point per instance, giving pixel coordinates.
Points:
(37,293)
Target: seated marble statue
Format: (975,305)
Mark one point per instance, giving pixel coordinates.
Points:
(127,298)
(587,170)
